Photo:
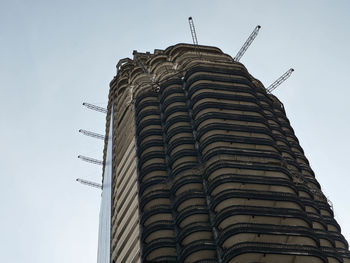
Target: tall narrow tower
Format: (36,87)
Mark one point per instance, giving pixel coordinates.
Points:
(203,166)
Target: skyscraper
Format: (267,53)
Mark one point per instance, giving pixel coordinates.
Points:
(202,165)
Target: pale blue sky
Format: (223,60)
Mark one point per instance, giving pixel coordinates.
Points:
(54,55)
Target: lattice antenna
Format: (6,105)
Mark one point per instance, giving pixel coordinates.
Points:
(92,134)
(90,160)
(247,43)
(194,35)
(193,31)
(94,107)
(89,183)
(279,80)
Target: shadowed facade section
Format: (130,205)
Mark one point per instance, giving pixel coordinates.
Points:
(206,167)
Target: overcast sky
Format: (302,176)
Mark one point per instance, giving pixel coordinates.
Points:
(54,55)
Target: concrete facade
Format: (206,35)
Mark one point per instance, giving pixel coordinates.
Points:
(206,167)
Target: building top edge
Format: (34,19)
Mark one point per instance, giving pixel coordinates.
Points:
(179,46)
(170,51)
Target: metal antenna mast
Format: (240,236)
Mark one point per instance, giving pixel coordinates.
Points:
(247,43)
(194,35)
(90,160)
(94,107)
(89,183)
(193,31)
(279,80)
(92,134)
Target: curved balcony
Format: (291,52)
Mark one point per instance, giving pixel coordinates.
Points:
(148,125)
(230,117)
(312,204)
(182,184)
(188,199)
(304,191)
(230,69)
(154,181)
(152,171)
(280,137)
(250,156)
(267,233)
(234,142)
(151,132)
(158,229)
(225,106)
(178,142)
(345,254)
(317,220)
(174,113)
(198,251)
(329,239)
(205,96)
(195,232)
(174,123)
(238,214)
(228,127)
(187,131)
(332,254)
(183,168)
(151,119)
(225,166)
(154,199)
(298,253)
(285,149)
(183,157)
(153,146)
(148,106)
(271,184)
(174,99)
(265,101)
(159,249)
(288,200)
(234,117)
(168,86)
(145,97)
(332,225)
(155,113)
(323,205)
(196,213)
(307,171)
(193,83)
(159,213)
(151,157)
(171,92)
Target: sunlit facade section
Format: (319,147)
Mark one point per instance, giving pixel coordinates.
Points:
(104,234)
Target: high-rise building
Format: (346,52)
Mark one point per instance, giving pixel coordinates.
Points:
(202,165)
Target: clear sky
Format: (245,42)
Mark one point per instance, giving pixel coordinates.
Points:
(54,55)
